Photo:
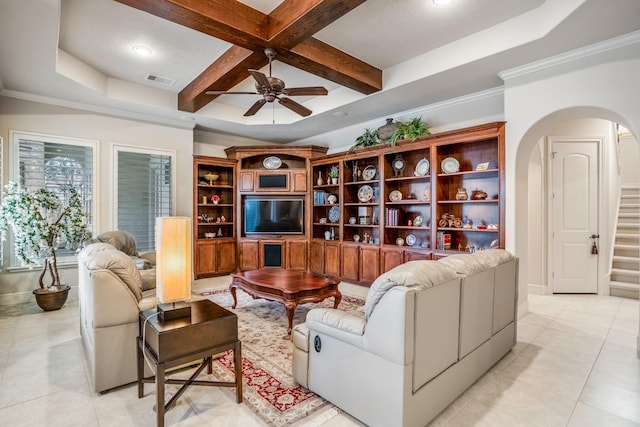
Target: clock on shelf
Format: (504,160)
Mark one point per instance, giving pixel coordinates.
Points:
(398,165)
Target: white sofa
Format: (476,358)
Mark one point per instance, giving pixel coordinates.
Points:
(112,290)
(430,329)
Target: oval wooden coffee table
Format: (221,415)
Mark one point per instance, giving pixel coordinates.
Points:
(288,287)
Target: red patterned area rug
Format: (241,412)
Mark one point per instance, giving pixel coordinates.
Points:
(267,352)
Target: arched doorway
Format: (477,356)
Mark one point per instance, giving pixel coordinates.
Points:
(531,206)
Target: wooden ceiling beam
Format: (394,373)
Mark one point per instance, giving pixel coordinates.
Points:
(294,21)
(326,61)
(288,29)
(231,21)
(227,71)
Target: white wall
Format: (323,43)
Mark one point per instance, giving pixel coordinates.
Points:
(601,85)
(629,161)
(34,117)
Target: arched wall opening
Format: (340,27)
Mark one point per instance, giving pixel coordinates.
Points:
(575,121)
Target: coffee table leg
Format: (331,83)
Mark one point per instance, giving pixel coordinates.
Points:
(232,289)
(237,353)
(290,308)
(336,299)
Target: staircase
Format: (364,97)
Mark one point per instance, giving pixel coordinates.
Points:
(625,266)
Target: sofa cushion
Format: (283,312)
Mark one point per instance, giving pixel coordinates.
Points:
(103,256)
(148,278)
(424,274)
(121,240)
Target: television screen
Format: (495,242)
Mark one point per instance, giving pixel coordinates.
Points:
(274,216)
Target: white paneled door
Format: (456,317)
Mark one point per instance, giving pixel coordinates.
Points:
(574,215)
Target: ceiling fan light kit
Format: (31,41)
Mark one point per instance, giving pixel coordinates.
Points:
(272,89)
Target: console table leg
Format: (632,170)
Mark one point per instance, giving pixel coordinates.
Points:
(140,367)
(237,353)
(160,395)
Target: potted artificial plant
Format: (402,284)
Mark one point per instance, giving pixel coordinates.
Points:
(367,139)
(38,219)
(334,173)
(411,131)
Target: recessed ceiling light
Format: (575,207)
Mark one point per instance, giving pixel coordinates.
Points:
(442,1)
(141,50)
(340,113)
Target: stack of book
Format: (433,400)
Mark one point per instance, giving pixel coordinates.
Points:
(320,197)
(392,216)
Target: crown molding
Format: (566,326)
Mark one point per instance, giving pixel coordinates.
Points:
(114,112)
(571,56)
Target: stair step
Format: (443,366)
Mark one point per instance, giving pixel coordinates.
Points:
(625,272)
(624,290)
(627,259)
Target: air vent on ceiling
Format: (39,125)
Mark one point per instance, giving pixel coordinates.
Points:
(166,81)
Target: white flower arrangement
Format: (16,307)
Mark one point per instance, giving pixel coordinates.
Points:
(37,219)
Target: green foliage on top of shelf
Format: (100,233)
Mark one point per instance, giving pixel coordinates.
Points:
(367,139)
(410,130)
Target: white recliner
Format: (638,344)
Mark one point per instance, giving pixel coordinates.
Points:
(430,329)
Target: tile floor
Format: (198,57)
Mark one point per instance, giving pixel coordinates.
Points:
(575,364)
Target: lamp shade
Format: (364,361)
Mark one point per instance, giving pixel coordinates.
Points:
(173,258)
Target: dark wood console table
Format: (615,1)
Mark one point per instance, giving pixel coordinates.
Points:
(210,330)
(288,287)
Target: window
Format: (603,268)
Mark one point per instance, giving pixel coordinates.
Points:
(56,163)
(144,186)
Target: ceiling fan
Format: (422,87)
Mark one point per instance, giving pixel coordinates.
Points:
(272,88)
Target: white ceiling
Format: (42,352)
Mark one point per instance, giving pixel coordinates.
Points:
(78,53)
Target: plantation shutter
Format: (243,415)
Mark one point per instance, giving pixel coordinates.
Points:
(144,193)
(56,166)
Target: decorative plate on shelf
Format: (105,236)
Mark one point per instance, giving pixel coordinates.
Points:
(422,168)
(272,162)
(399,241)
(365,193)
(369,173)
(417,221)
(450,165)
(334,214)
(395,196)
(411,239)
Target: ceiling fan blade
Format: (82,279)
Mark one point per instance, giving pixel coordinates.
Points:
(302,91)
(223,92)
(255,107)
(262,80)
(294,106)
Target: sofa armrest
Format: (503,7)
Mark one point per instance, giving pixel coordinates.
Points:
(337,320)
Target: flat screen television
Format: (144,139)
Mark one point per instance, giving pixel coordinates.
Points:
(270,215)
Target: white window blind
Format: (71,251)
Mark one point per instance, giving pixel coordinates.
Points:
(144,193)
(57,163)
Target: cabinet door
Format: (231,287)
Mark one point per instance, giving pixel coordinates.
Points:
(299,180)
(369,267)
(414,256)
(297,255)
(316,261)
(332,259)
(205,258)
(226,257)
(390,258)
(249,259)
(245,181)
(349,257)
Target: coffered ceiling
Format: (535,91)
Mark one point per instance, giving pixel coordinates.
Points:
(376,57)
